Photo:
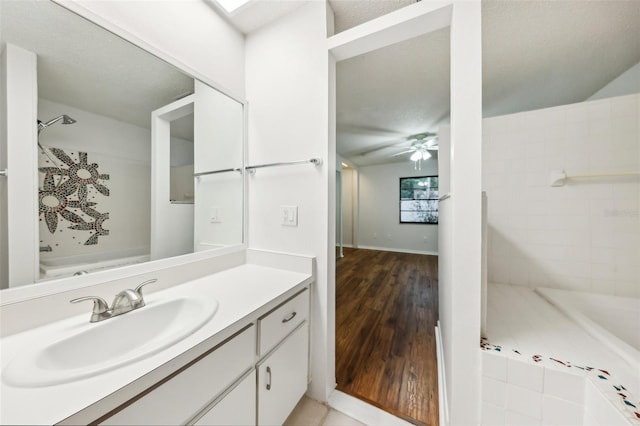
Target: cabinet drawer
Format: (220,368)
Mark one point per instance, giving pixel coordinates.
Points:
(238,407)
(277,324)
(184,395)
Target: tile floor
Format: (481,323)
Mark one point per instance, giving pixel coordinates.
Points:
(309,412)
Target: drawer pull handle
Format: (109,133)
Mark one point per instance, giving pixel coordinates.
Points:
(290,317)
(268,378)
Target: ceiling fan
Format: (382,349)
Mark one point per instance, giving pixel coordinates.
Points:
(419,146)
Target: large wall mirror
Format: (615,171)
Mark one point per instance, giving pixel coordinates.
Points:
(113,156)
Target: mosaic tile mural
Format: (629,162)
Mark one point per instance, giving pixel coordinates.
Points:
(69,195)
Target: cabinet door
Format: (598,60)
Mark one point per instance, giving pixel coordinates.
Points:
(237,408)
(282,378)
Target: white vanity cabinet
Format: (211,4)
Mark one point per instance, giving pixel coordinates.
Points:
(219,387)
(283,370)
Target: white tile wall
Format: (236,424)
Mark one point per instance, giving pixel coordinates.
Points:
(585,235)
(494,365)
(564,385)
(524,374)
(556,411)
(492,415)
(517,391)
(518,419)
(494,391)
(524,401)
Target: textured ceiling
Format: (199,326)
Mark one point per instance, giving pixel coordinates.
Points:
(389,94)
(536,54)
(350,13)
(84,66)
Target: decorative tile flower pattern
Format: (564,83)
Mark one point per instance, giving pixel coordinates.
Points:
(64,195)
(601,377)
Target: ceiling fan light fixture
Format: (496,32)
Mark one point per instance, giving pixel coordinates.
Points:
(425,155)
(416,156)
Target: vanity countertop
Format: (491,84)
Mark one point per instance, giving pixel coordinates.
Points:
(244,293)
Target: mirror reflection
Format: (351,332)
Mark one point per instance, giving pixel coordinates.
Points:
(181,164)
(110,133)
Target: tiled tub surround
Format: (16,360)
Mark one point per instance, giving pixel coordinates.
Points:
(244,292)
(539,367)
(584,235)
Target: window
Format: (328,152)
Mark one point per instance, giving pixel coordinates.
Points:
(419,199)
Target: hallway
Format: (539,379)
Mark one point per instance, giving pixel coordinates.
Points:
(386,310)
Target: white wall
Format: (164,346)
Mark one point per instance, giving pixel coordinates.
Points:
(287,90)
(218,134)
(348,201)
(188,30)
(121,150)
(460,285)
(19,81)
(584,235)
(181,185)
(379,218)
(626,83)
(4,243)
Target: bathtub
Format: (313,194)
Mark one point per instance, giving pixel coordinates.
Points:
(51,268)
(612,320)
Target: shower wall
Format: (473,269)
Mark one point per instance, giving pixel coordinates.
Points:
(115,216)
(584,235)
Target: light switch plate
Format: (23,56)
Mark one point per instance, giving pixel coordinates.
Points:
(289,215)
(214,214)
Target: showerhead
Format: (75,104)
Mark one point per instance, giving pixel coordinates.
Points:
(65,120)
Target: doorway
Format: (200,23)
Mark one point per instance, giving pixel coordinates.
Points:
(387,281)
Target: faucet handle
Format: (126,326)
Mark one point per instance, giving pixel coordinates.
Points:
(99,304)
(139,288)
(100,307)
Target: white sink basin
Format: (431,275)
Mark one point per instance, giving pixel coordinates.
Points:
(84,350)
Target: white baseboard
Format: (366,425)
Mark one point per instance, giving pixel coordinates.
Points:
(443,406)
(363,412)
(399,250)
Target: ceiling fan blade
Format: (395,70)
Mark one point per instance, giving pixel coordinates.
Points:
(414,140)
(404,152)
(380,148)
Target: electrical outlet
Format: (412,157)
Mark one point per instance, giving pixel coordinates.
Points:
(289,215)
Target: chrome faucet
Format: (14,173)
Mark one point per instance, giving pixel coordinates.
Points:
(125,301)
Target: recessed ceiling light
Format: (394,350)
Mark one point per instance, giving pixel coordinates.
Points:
(345,165)
(231,6)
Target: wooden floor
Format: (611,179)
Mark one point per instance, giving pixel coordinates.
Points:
(386,310)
